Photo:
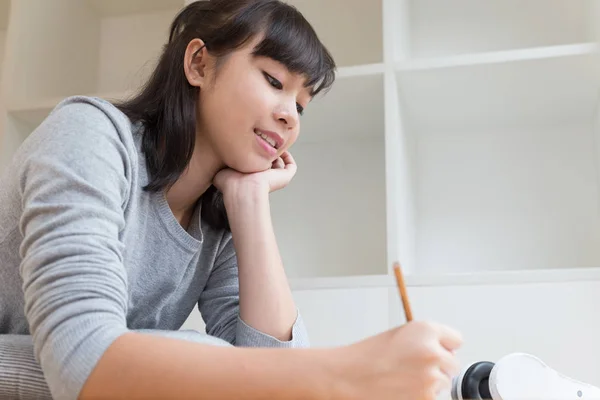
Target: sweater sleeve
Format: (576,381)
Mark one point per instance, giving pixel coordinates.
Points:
(219,307)
(73,184)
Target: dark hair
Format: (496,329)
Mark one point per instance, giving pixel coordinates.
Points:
(166,105)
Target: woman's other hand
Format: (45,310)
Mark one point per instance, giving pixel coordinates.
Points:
(413,362)
(233,183)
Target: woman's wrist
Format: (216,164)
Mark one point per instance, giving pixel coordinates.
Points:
(335,363)
(245,194)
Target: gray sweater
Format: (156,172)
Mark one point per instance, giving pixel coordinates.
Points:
(87,255)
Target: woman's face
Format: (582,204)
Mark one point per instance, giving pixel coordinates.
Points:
(249,110)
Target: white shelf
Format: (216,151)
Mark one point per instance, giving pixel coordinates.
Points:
(342,282)
(483,278)
(435,29)
(360,70)
(22,119)
(541,85)
(505,168)
(351,29)
(32,114)
(499,57)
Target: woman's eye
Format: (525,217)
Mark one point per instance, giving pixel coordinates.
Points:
(273,82)
(277,85)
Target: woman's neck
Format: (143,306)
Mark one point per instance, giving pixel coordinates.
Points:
(193,182)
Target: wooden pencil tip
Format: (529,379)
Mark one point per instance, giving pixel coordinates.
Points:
(403,292)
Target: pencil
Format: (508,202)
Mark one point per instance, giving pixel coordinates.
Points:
(403,293)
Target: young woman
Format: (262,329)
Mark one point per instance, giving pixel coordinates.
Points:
(118,219)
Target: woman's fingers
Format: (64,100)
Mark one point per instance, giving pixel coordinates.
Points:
(287,159)
(282,171)
(444,383)
(449,338)
(450,366)
(278,163)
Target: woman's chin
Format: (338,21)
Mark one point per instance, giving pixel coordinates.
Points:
(253,167)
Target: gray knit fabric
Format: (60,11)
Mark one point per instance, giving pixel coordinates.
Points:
(20,375)
(87,255)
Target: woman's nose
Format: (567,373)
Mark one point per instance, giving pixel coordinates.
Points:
(288,116)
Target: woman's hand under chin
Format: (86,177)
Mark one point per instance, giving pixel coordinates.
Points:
(233,183)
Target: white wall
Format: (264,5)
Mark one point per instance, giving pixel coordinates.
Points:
(446,28)
(129,50)
(52,50)
(354,36)
(340,316)
(505,200)
(330,220)
(2,41)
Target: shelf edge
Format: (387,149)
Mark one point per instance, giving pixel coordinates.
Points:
(459,279)
(497,57)
(360,70)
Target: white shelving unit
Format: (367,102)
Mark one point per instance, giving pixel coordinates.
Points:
(497,105)
(459,137)
(462,138)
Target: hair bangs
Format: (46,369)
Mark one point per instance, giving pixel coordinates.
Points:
(289,39)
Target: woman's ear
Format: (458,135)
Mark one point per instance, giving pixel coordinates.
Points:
(195,63)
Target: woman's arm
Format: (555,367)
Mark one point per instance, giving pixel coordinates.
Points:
(266,301)
(266,307)
(161,368)
(74,176)
(219,305)
(139,366)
